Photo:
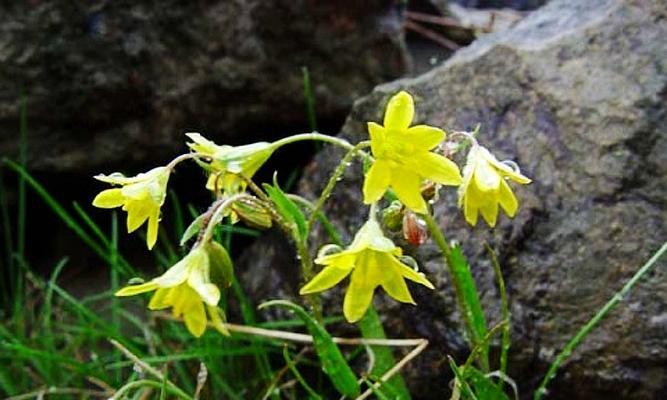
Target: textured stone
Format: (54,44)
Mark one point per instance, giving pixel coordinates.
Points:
(115,82)
(576,94)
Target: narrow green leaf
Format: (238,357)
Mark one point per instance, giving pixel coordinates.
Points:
(371,328)
(470,295)
(333,362)
(192,229)
(287,208)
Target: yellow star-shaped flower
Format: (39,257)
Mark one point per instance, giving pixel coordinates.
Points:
(187,289)
(141,196)
(485,187)
(403,157)
(230,164)
(372,259)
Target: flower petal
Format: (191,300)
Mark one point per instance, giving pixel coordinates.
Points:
(506,169)
(377,180)
(138,212)
(485,176)
(357,299)
(437,168)
(325,279)
(395,286)
(470,210)
(153,220)
(406,184)
(161,299)
(136,289)
(400,111)
(377,134)
(110,198)
(425,137)
(507,199)
(410,273)
(489,212)
(176,274)
(195,316)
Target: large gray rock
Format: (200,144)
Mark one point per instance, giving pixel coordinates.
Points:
(577,94)
(121,81)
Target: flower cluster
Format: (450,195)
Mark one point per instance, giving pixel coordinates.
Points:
(407,161)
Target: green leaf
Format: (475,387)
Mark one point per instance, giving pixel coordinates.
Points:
(470,295)
(483,386)
(333,362)
(221,265)
(192,229)
(371,328)
(286,208)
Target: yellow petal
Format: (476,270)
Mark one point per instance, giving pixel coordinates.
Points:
(343,260)
(486,177)
(136,289)
(325,279)
(506,169)
(175,275)
(153,220)
(507,199)
(395,286)
(406,184)
(489,212)
(437,168)
(138,212)
(377,180)
(377,134)
(425,137)
(161,299)
(195,317)
(469,210)
(409,273)
(400,111)
(110,198)
(357,300)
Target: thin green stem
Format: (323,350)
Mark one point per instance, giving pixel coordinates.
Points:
(314,136)
(292,367)
(217,214)
(588,327)
(173,389)
(504,307)
(333,180)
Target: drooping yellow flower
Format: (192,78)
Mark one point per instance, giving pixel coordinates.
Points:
(485,187)
(403,157)
(187,289)
(230,164)
(372,259)
(141,196)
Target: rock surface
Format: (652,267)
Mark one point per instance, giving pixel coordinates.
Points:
(115,82)
(576,94)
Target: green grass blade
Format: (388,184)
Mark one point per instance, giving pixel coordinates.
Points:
(470,295)
(592,323)
(333,362)
(309,97)
(371,328)
(292,367)
(504,310)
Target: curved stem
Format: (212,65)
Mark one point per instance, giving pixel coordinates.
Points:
(314,136)
(586,329)
(224,205)
(188,156)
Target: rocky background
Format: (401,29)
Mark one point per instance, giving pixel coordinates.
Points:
(576,94)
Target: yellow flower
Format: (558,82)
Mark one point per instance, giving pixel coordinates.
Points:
(229,164)
(187,289)
(373,261)
(403,158)
(484,187)
(141,196)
